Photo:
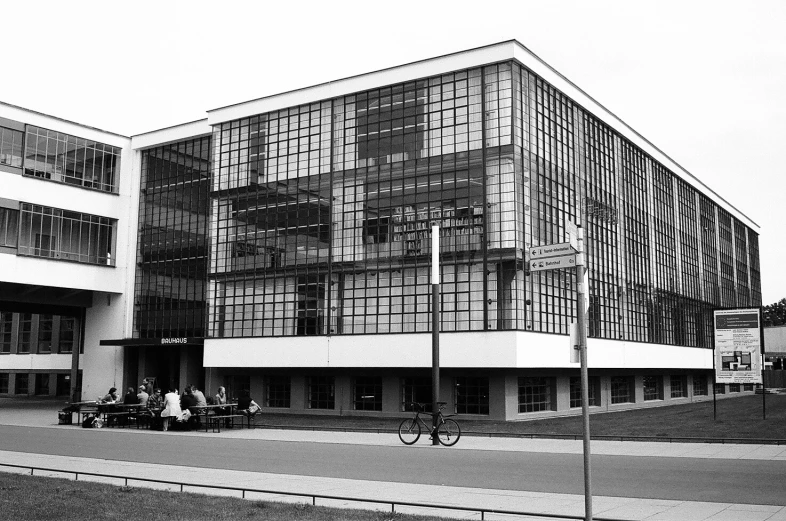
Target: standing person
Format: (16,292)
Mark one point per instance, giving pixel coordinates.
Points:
(171,408)
(148,386)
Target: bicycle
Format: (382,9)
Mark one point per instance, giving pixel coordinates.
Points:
(448,430)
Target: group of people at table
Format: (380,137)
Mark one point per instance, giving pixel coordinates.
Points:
(173,406)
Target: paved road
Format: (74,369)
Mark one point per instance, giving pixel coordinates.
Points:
(694,479)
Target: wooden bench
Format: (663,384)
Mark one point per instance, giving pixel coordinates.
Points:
(116,419)
(214,421)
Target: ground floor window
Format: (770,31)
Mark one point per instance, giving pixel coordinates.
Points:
(367,393)
(279,391)
(472,395)
(734,388)
(415,390)
(63,384)
(237,385)
(575,391)
(321,392)
(720,388)
(653,388)
(16,332)
(700,385)
(747,387)
(22,383)
(621,389)
(4,379)
(535,394)
(42,384)
(679,386)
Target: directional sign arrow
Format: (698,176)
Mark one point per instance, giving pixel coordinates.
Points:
(553,263)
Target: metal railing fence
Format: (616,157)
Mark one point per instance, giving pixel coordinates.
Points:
(243,490)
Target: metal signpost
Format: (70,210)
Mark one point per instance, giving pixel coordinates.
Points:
(571,255)
(434,331)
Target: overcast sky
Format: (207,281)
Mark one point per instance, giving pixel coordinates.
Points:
(704,81)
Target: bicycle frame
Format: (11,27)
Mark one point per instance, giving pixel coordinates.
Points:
(430,428)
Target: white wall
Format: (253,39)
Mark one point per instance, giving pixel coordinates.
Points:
(33,362)
(493,349)
(775,339)
(102,366)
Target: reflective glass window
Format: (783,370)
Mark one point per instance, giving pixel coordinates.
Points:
(9,227)
(65,235)
(11,147)
(72,160)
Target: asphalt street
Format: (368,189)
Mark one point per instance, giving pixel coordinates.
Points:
(691,479)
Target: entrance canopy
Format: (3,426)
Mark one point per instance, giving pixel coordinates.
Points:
(164,341)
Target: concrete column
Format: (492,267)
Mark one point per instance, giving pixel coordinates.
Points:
(391,394)
(344,396)
(298,393)
(638,388)
(497,402)
(562,401)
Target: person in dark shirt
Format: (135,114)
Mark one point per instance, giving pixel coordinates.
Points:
(187,400)
(247,406)
(130,397)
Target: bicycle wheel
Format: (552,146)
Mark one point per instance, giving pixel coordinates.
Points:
(409,431)
(448,432)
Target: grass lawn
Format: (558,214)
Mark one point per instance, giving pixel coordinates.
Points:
(738,417)
(41,498)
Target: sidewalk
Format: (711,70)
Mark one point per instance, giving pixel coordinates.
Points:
(561,504)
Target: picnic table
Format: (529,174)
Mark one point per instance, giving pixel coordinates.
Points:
(81,408)
(216,419)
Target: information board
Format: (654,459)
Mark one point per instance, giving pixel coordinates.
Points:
(738,346)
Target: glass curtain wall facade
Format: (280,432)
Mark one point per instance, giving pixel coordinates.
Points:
(172,258)
(321,218)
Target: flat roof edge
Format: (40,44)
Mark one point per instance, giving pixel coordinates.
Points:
(44,114)
(465,59)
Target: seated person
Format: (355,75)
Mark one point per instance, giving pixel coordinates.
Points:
(142,396)
(106,404)
(130,397)
(155,401)
(221,399)
(188,403)
(110,397)
(171,408)
(154,405)
(199,396)
(247,406)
